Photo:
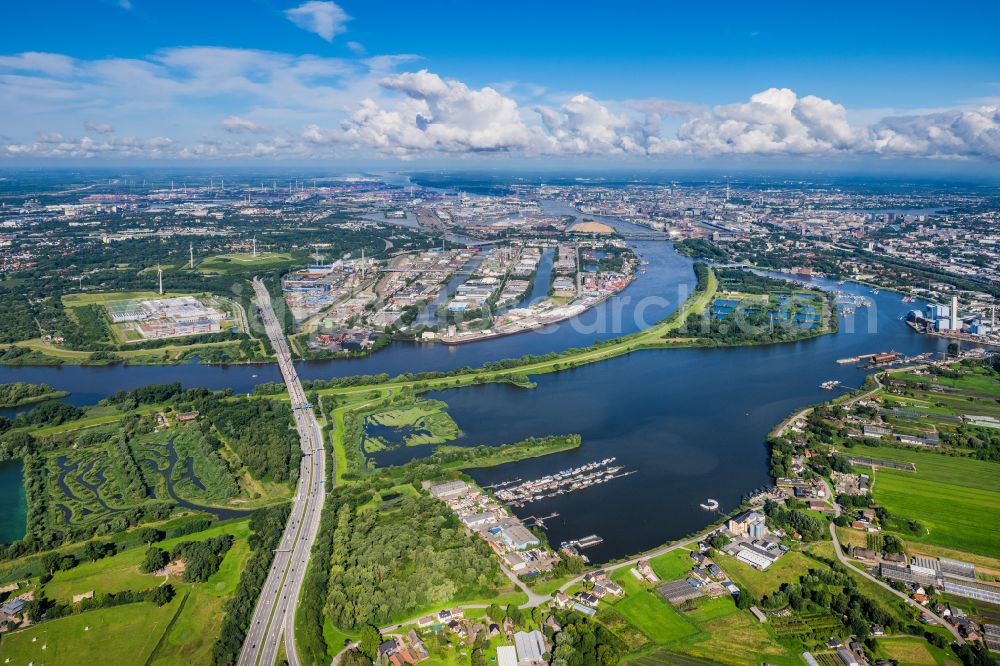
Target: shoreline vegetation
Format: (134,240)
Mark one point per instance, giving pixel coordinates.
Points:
(21,394)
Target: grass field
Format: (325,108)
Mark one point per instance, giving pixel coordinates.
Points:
(643,607)
(761,583)
(121,572)
(952,497)
(915,651)
(102,298)
(182,632)
(671,565)
(243,262)
(120,635)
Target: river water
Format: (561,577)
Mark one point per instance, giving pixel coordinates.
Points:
(692,422)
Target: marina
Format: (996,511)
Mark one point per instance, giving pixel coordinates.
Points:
(586,542)
(560,483)
(831,384)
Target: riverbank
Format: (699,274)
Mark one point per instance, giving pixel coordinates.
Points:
(21,394)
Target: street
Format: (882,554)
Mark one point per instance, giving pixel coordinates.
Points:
(274,615)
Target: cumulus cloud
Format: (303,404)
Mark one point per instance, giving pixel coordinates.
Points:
(100,128)
(314,107)
(773,122)
(432,114)
(239,125)
(440,116)
(949,134)
(324,18)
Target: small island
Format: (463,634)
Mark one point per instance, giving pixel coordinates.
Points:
(19,394)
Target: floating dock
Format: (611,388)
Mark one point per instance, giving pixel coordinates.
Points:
(586,542)
(566,481)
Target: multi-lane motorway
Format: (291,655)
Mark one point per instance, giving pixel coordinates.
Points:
(274,614)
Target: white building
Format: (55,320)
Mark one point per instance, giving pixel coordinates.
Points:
(530,647)
(506,655)
(753,558)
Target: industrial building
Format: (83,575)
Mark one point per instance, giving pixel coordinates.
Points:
(530,646)
(518,537)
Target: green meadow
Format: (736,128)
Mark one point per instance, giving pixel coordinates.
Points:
(956,499)
(181,632)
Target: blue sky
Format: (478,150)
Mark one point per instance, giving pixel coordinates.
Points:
(377,80)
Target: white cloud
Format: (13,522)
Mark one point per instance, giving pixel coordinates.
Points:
(664,108)
(100,128)
(239,125)
(277,105)
(55,145)
(438,116)
(773,122)
(947,134)
(326,19)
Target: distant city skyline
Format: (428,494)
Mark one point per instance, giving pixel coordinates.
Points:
(641,85)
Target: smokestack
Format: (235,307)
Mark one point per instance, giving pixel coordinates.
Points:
(955,323)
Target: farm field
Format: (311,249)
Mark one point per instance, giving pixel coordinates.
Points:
(704,630)
(907,650)
(732,638)
(951,496)
(971,393)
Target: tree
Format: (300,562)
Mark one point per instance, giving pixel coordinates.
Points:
(514,613)
(744,600)
(355,658)
(93,551)
(495,612)
(154,560)
(369,641)
(149,535)
(163,595)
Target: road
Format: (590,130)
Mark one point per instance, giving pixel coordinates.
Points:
(861,572)
(274,615)
(837,511)
(803,413)
(701,536)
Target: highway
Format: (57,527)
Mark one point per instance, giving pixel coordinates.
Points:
(274,615)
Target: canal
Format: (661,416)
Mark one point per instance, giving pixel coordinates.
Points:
(13,505)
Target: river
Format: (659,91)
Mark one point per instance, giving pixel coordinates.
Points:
(693,422)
